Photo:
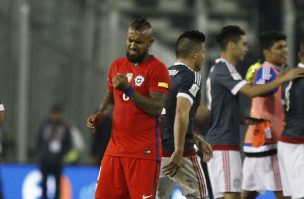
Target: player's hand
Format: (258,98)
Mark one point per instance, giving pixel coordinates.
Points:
(206,149)
(291,74)
(252,121)
(93,121)
(175,163)
(120,82)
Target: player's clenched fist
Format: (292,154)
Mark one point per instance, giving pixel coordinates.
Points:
(93,121)
(120,82)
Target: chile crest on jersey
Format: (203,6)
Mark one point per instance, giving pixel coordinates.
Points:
(139,80)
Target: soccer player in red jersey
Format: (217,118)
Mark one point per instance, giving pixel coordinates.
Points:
(137,88)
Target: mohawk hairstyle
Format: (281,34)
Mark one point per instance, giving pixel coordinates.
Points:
(188,41)
(140,24)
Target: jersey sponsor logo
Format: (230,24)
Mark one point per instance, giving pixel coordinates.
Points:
(173,72)
(145,197)
(194,89)
(129,76)
(162,84)
(139,80)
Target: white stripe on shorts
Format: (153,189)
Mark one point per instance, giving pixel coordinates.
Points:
(200,176)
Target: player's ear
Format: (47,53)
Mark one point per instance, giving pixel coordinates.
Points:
(195,53)
(230,45)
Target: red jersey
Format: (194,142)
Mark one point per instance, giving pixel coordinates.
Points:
(135,133)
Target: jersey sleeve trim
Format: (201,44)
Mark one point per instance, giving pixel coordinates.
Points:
(1,107)
(185,95)
(238,86)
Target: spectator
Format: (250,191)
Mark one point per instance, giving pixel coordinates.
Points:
(1,112)
(54,141)
(75,153)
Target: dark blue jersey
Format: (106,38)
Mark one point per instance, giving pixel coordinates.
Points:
(184,83)
(294,99)
(223,85)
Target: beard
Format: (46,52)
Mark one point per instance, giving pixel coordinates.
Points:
(136,58)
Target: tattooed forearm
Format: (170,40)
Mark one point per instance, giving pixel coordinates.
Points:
(152,105)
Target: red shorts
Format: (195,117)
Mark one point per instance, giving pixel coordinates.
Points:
(127,178)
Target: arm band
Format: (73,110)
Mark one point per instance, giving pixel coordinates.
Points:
(129,91)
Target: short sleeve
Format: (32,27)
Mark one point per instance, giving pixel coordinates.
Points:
(231,80)
(190,86)
(264,75)
(159,79)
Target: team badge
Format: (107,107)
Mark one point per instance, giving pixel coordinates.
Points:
(237,183)
(129,76)
(139,80)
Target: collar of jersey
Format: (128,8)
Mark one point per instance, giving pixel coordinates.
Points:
(301,65)
(181,63)
(225,61)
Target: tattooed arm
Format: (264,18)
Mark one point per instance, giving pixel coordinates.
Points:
(152,105)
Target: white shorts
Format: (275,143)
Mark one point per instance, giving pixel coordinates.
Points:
(291,161)
(261,174)
(225,172)
(190,178)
